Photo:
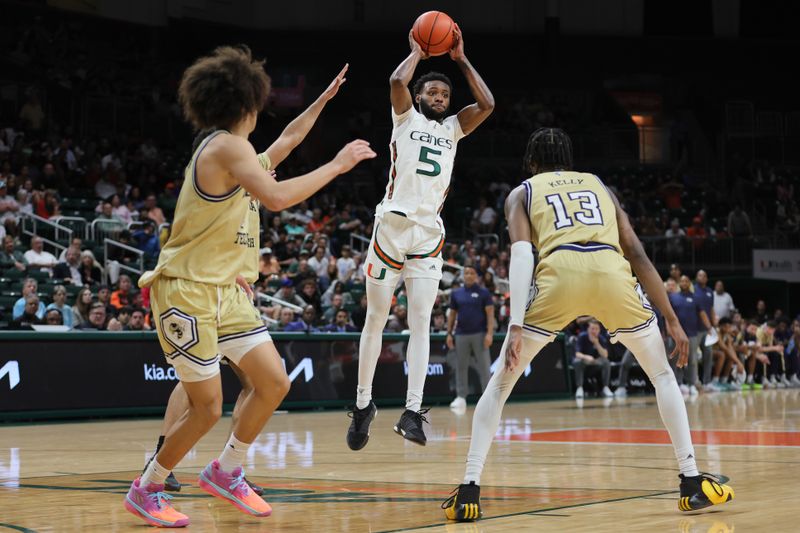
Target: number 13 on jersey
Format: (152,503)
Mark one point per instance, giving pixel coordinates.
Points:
(588,214)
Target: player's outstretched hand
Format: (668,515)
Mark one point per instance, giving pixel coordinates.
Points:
(248,290)
(415,47)
(513,348)
(337,82)
(352,154)
(457,51)
(681,343)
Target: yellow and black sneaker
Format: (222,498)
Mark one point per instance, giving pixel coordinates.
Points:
(464,505)
(702,491)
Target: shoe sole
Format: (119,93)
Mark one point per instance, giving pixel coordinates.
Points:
(153,521)
(402,433)
(218,492)
(710,504)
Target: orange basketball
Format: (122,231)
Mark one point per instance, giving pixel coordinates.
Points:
(433,31)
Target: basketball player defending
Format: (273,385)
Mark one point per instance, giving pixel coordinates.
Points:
(583,238)
(290,138)
(201,313)
(409,234)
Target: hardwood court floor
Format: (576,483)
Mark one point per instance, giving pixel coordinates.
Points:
(555,466)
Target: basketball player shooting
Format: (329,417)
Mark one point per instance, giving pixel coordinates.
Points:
(409,233)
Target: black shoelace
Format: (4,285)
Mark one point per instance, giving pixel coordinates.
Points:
(419,416)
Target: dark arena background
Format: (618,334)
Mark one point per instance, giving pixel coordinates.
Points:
(687,110)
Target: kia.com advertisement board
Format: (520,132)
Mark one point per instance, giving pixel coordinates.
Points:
(57,372)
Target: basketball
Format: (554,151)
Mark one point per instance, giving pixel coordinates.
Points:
(433,30)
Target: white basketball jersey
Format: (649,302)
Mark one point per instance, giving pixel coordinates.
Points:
(422,154)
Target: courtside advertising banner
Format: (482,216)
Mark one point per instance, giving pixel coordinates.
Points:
(777,264)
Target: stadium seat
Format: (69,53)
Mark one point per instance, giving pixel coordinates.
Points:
(39,275)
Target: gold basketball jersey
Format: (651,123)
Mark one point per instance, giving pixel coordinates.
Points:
(213,238)
(568,207)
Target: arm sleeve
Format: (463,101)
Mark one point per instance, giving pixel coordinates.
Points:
(519,280)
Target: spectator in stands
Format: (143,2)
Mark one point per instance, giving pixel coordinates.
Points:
(11,258)
(591,350)
(137,321)
(337,302)
(153,212)
(360,314)
(319,264)
(287,293)
(97,320)
(268,265)
(761,315)
(51,179)
(45,204)
(9,208)
(697,233)
(53,317)
(60,304)
(346,225)
(29,286)
(675,272)
(75,242)
(484,218)
(90,271)
(398,320)
(346,265)
(30,313)
(303,272)
(438,321)
(80,310)
(124,316)
(24,202)
(317,222)
(675,235)
(38,258)
(31,115)
(294,227)
(121,297)
(285,316)
(341,323)
(306,323)
(774,376)
(310,295)
(723,302)
(69,271)
(146,239)
(739,223)
(104,297)
(107,213)
(693,320)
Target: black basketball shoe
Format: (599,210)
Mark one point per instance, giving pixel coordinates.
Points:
(410,426)
(702,491)
(464,505)
(358,433)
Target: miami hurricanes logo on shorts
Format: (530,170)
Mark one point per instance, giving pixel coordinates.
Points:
(369,272)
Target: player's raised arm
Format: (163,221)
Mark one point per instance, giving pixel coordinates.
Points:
(648,276)
(401,77)
(471,116)
(239,158)
(520,271)
(296,130)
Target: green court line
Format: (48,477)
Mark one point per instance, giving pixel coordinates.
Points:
(17,528)
(508,515)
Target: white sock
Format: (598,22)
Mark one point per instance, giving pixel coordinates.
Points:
(749,378)
(154,473)
(714,381)
(490,407)
(363,396)
(233,455)
(379,298)
(421,297)
(649,351)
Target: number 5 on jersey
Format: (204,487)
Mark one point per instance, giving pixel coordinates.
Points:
(436,168)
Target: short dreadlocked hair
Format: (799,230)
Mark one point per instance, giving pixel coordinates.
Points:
(431,76)
(550,149)
(221,89)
